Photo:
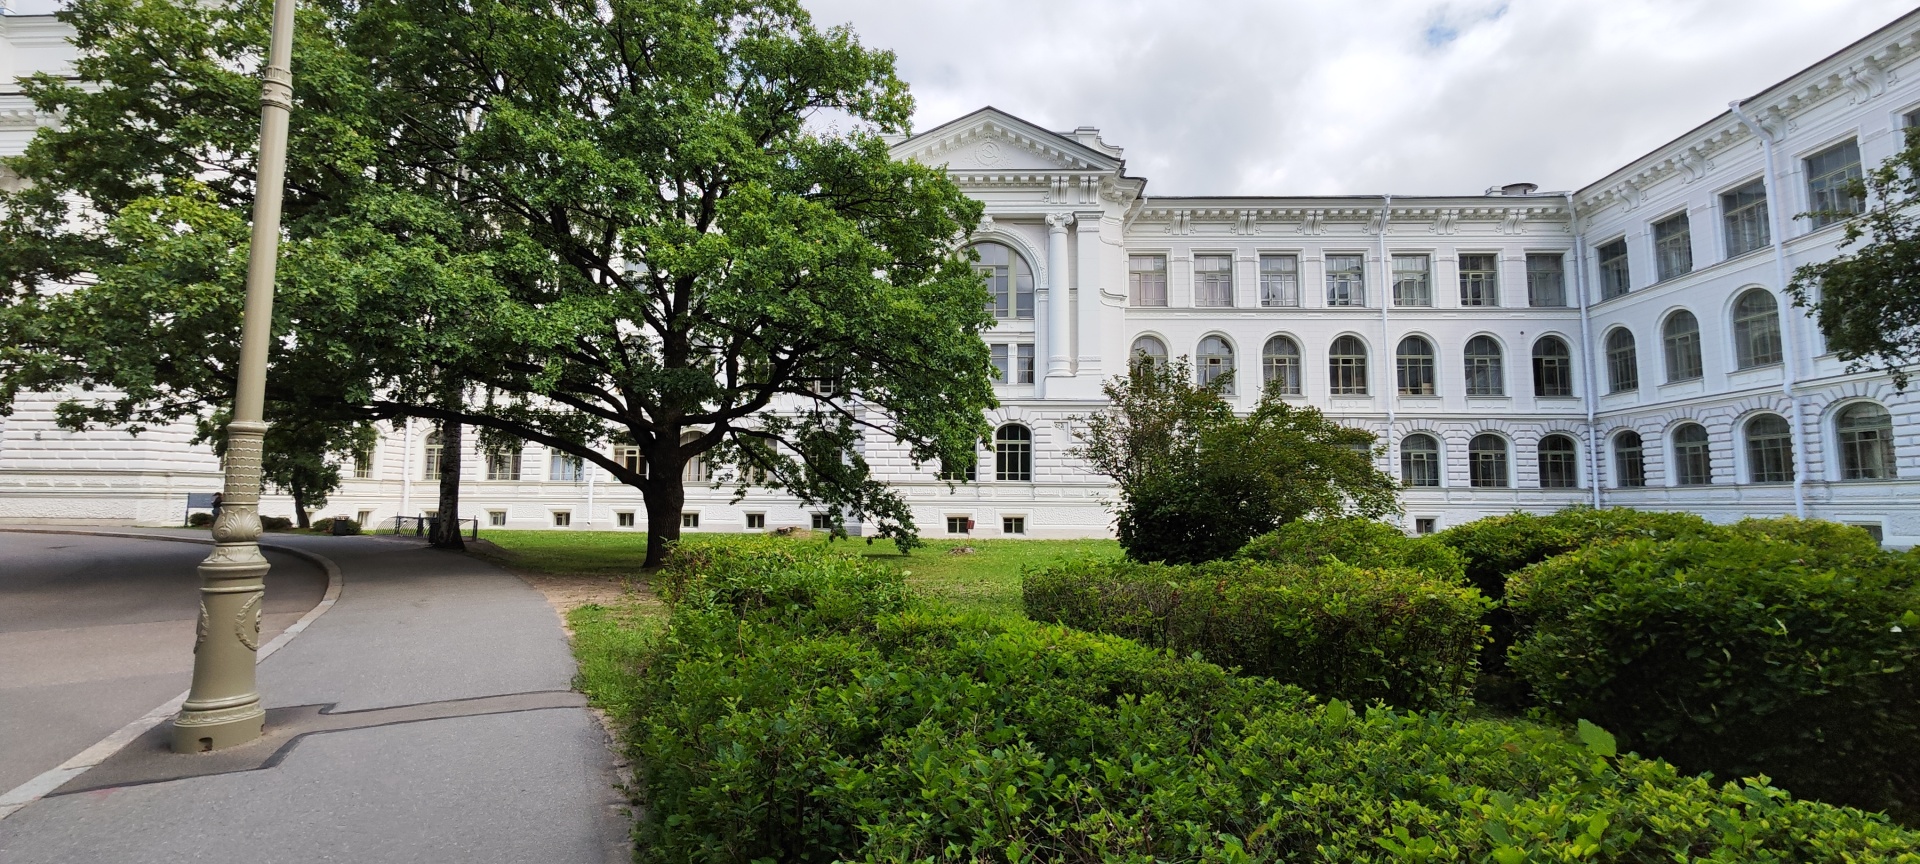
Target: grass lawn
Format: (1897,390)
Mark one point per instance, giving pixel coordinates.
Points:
(987,579)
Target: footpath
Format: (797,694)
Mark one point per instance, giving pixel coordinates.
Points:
(425,716)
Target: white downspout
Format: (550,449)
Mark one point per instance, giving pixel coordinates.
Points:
(1790,361)
(587,466)
(1586,341)
(406,468)
(1389,386)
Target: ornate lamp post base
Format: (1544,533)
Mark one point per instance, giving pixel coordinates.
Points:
(223,708)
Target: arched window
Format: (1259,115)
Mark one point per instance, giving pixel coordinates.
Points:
(696,470)
(1552,367)
(1484,376)
(1629,461)
(1623,362)
(1756,329)
(1347,366)
(1487,461)
(1420,460)
(1682,337)
(1559,466)
(1414,359)
(1215,363)
(430,466)
(1280,362)
(1769,449)
(1866,442)
(1151,348)
(1009,280)
(1013,453)
(1692,458)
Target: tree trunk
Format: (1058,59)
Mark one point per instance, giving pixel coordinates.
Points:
(665,496)
(446,531)
(300,508)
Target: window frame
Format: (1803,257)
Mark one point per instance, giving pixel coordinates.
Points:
(1480,459)
(1142,289)
(1350,289)
(556,459)
(1485,374)
(1672,246)
(1280,366)
(1617,382)
(1279,287)
(1692,458)
(1416,375)
(1213,288)
(1746,226)
(1544,366)
(1429,469)
(1853,447)
(1627,456)
(1209,366)
(1011,299)
(1769,452)
(1537,294)
(1480,285)
(1676,347)
(1757,340)
(1347,372)
(1133,350)
(1615,270)
(1827,186)
(1565,473)
(1013,457)
(1412,287)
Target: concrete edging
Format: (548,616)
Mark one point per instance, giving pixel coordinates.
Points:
(13,800)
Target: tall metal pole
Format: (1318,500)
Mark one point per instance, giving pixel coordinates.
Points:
(223,708)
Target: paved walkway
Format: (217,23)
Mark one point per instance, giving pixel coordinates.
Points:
(426,717)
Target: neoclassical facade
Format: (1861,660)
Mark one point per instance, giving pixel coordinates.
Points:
(1625,344)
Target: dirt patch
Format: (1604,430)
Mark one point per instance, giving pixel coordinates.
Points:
(566,592)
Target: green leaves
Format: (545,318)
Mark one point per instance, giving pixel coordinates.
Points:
(1865,298)
(1599,741)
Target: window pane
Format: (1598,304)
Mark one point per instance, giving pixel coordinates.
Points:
(1673,247)
(1147,279)
(1479,280)
(1411,285)
(1414,364)
(1615,279)
(1769,449)
(1484,377)
(1629,466)
(1347,367)
(1346,281)
(1420,461)
(1546,280)
(1683,347)
(1023,363)
(1150,347)
(1866,442)
(1756,329)
(1002,362)
(1487,461)
(1745,212)
(1623,363)
(1013,453)
(1009,280)
(1828,174)
(566,469)
(1215,363)
(1279,280)
(1213,280)
(1280,362)
(1693,460)
(1552,368)
(1559,468)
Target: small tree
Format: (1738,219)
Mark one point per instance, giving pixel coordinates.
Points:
(1198,481)
(1868,300)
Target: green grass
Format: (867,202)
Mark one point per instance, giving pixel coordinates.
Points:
(610,643)
(986,580)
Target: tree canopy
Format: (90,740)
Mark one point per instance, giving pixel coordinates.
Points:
(1867,299)
(1197,481)
(673,224)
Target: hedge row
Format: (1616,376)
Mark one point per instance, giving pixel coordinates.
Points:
(1398,636)
(1356,541)
(804,708)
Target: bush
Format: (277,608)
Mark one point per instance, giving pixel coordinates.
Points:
(764,734)
(1356,541)
(275,523)
(200,520)
(1499,546)
(1392,635)
(1739,654)
(1833,542)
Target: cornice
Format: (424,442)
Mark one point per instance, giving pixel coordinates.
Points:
(1510,218)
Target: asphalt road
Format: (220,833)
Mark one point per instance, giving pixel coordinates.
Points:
(97,631)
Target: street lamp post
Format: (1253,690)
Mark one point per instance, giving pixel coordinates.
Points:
(223,708)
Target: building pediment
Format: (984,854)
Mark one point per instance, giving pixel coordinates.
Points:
(994,141)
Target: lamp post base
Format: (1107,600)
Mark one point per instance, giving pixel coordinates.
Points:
(201,731)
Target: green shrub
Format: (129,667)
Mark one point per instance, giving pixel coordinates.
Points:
(275,523)
(1499,546)
(1740,654)
(200,520)
(763,735)
(1356,541)
(1833,542)
(1398,636)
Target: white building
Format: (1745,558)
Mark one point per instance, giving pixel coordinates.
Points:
(1625,344)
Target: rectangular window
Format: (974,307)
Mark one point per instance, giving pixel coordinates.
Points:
(365,519)
(1346,280)
(363,465)
(1013,525)
(1213,280)
(756,521)
(1479,280)
(1829,172)
(689,520)
(1873,529)
(1147,279)
(1001,361)
(1411,285)
(959,525)
(496,518)
(1279,280)
(1023,363)
(564,468)
(562,518)
(502,465)
(1425,525)
(1672,247)
(1013,362)
(1546,279)
(1615,279)
(822,522)
(957,474)
(1744,210)
(623,519)
(629,457)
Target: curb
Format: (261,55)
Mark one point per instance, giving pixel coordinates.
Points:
(13,800)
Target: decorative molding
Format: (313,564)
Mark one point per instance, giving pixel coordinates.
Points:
(1312,223)
(1446,221)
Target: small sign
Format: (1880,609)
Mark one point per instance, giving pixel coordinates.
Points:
(200,500)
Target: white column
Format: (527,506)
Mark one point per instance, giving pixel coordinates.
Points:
(1059,312)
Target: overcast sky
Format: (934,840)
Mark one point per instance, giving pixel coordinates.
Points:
(1402,96)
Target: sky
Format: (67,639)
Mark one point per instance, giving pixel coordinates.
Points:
(1285,97)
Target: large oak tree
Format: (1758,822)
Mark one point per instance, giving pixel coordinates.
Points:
(672,224)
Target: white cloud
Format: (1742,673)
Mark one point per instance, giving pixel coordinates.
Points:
(1248,97)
